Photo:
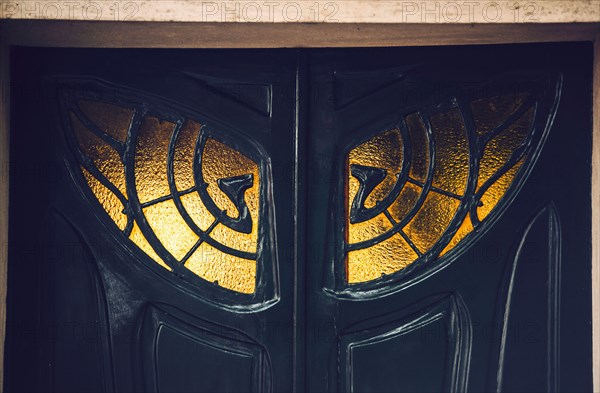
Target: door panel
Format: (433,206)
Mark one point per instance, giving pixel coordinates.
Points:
(188,307)
(196,199)
(174,351)
(530,317)
(433,166)
(429,350)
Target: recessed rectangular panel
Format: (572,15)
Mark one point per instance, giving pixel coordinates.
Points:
(409,362)
(188,364)
(182,353)
(423,348)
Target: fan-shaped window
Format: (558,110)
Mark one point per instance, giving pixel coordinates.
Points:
(417,190)
(186,196)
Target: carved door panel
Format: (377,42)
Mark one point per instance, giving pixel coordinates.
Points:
(159,268)
(367,220)
(444,189)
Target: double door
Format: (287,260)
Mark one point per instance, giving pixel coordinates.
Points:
(367,220)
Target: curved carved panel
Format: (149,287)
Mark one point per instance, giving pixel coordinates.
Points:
(406,355)
(530,317)
(181,353)
(194,199)
(416,193)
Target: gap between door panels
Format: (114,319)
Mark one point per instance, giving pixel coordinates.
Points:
(302,94)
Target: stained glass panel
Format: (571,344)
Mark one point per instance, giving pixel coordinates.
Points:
(187,199)
(400,212)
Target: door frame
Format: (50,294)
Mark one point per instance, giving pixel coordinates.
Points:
(103,34)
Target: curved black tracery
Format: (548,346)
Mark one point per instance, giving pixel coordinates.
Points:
(234,187)
(462,163)
(189,197)
(369,177)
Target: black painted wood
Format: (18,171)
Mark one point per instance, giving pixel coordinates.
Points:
(533,341)
(158,331)
(86,312)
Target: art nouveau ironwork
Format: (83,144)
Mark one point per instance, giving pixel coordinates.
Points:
(190,197)
(414,192)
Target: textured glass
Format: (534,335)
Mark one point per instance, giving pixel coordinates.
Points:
(170,229)
(419,166)
(383,258)
(194,207)
(238,241)
(383,151)
(220,161)
(151,159)
(183,160)
(138,238)
(425,219)
(367,230)
(228,271)
(500,149)
(180,228)
(104,157)
(109,201)
(111,119)
(406,201)
(489,113)
(496,191)
(431,221)
(451,152)
(465,228)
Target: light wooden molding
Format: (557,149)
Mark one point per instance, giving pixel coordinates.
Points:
(273,35)
(308,11)
(4,160)
(596,217)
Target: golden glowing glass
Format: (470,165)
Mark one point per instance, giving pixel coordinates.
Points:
(409,226)
(220,161)
(196,210)
(151,143)
(382,151)
(413,224)
(170,228)
(492,196)
(500,149)
(451,152)
(151,153)
(465,228)
(111,119)
(431,221)
(109,201)
(369,229)
(386,257)
(104,157)
(237,274)
(419,165)
(138,238)
(489,113)
(406,201)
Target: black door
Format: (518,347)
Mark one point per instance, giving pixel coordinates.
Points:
(164,262)
(368,220)
(450,220)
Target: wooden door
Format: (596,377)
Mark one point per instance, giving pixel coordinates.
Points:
(163,230)
(450,220)
(366,220)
